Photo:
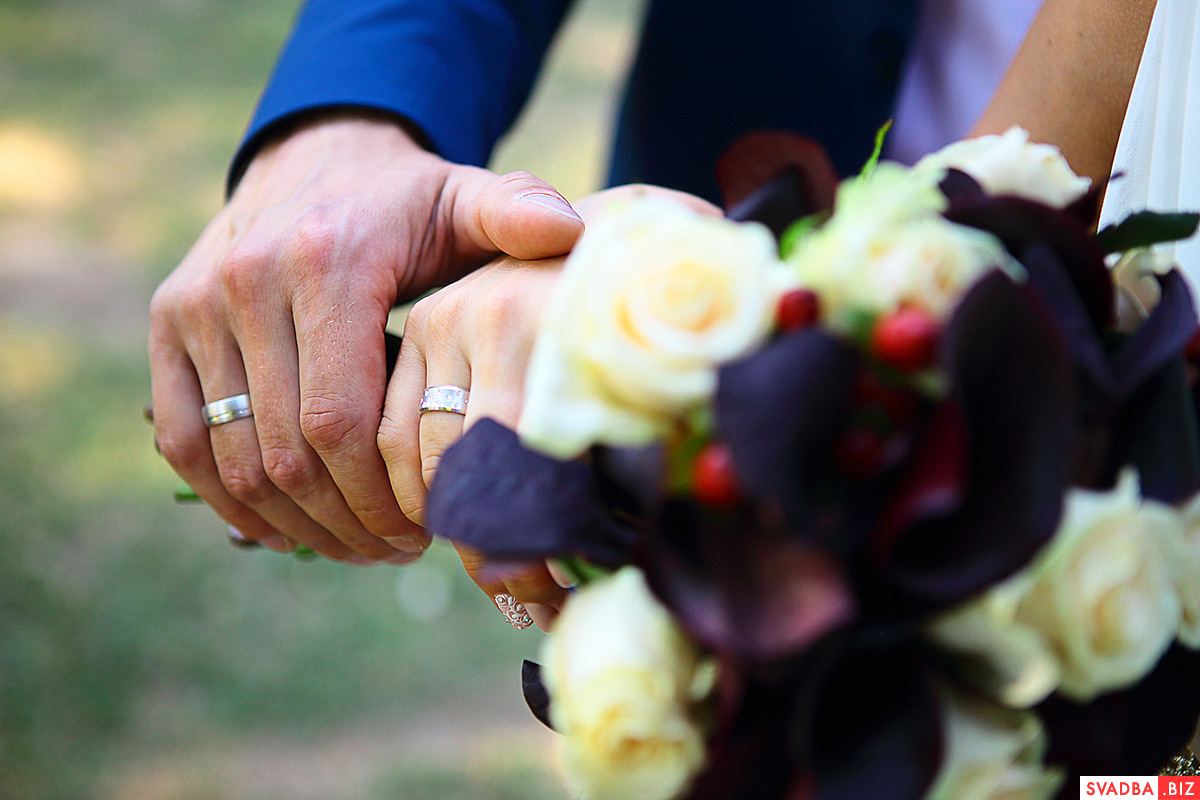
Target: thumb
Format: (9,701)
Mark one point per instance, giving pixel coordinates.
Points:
(518,214)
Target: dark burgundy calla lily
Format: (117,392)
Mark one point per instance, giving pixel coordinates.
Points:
(1014,422)
(780,411)
(1134,404)
(1134,732)
(876,728)
(740,584)
(1021,224)
(775,177)
(498,496)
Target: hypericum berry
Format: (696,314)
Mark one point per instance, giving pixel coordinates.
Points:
(798,308)
(714,479)
(897,402)
(859,452)
(1192,350)
(905,339)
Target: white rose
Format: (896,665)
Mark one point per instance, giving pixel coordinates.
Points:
(653,298)
(1187,574)
(1100,600)
(1009,163)
(624,685)
(1138,292)
(888,246)
(992,754)
(1013,662)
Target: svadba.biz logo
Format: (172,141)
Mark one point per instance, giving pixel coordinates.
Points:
(1141,787)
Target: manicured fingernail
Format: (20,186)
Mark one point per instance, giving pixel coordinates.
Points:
(553,202)
(543,616)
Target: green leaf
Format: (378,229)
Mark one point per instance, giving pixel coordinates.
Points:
(880,136)
(581,571)
(186,495)
(1146,228)
(796,232)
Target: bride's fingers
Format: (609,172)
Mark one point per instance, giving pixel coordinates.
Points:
(400,425)
(524,593)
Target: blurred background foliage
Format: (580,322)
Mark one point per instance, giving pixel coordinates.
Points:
(141,657)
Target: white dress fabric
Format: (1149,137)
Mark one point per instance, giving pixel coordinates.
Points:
(1159,148)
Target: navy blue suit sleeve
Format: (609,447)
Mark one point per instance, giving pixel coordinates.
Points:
(459,70)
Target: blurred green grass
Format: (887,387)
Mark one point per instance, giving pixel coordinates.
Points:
(142,658)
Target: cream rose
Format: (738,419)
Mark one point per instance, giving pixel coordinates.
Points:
(1138,291)
(992,754)
(653,298)
(624,685)
(1187,573)
(1009,163)
(1100,601)
(888,246)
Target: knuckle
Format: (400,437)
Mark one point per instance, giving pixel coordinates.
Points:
(313,240)
(412,503)
(429,467)
(242,270)
(517,177)
(292,471)
(329,423)
(504,306)
(389,440)
(247,483)
(185,454)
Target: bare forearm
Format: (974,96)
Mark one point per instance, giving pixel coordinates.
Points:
(1070,82)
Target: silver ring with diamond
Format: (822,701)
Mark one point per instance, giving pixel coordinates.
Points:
(445,398)
(227,409)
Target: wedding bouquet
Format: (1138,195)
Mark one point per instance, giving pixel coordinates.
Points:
(901,505)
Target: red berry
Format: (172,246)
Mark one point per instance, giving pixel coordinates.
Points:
(714,479)
(905,339)
(798,308)
(1192,350)
(897,402)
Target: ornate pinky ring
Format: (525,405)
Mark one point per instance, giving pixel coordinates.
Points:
(445,398)
(513,611)
(227,409)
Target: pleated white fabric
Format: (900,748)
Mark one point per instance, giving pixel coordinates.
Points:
(1159,148)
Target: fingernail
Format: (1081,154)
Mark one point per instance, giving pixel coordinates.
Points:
(514,612)
(553,202)
(400,559)
(359,560)
(278,543)
(239,540)
(563,578)
(407,544)
(542,616)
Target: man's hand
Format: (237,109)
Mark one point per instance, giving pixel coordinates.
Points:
(285,296)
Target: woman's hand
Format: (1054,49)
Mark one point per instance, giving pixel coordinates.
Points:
(477,334)
(285,297)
